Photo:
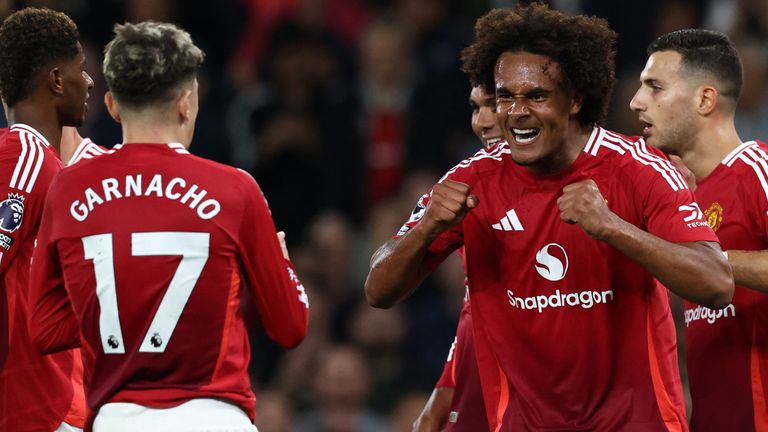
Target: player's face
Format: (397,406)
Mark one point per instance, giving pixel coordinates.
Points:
(534,110)
(77,83)
(484,117)
(666,103)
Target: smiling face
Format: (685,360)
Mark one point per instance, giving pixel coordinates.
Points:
(77,84)
(484,117)
(534,111)
(666,103)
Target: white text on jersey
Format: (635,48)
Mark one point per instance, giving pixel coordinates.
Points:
(175,189)
(711,315)
(585,299)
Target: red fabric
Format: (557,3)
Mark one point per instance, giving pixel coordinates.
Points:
(205,352)
(563,317)
(727,350)
(35,391)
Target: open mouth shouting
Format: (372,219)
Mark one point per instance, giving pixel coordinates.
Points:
(525,136)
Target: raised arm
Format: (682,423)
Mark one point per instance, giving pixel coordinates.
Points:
(696,271)
(279,295)
(399,266)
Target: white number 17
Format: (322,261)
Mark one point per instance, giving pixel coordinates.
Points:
(193,248)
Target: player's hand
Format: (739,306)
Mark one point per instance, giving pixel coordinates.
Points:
(283,247)
(582,203)
(449,204)
(690,179)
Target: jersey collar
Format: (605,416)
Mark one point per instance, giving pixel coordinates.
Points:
(33,131)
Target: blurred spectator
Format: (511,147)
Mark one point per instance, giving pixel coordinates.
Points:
(273,412)
(438,135)
(386,84)
(341,387)
(752,112)
(407,410)
(380,335)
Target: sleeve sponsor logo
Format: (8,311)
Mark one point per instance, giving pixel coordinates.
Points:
(11,213)
(6,241)
(694,217)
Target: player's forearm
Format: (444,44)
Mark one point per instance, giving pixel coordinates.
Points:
(53,328)
(695,271)
(435,414)
(750,269)
(397,269)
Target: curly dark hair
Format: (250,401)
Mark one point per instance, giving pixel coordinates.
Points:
(30,39)
(708,51)
(145,63)
(581,45)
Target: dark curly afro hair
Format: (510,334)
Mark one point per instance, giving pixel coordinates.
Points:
(581,45)
(30,39)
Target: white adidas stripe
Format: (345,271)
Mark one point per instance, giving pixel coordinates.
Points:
(28,166)
(36,171)
(642,155)
(19,164)
(495,154)
(734,154)
(756,158)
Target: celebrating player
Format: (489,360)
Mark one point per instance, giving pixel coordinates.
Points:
(456,403)
(44,86)
(566,227)
(687,100)
(158,249)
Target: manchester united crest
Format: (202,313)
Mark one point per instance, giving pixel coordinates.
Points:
(714,215)
(11,213)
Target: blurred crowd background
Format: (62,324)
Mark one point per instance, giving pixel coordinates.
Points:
(346,111)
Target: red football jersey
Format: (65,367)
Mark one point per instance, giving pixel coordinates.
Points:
(36,390)
(570,333)
(727,350)
(467,412)
(157,248)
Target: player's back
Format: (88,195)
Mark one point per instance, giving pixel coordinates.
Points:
(156,247)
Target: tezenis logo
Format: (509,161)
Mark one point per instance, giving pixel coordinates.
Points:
(552,262)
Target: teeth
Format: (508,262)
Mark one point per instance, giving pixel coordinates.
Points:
(524,131)
(493,141)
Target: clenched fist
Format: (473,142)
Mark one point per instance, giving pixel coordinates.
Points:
(583,204)
(450,202)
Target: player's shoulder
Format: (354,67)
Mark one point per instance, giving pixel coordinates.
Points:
(748,155)
(86,150)
(749,163)
(484,162)
(633,160)
(22,140)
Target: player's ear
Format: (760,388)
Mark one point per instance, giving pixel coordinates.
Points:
(184,105)
(707,100)
(577,100)
(55,80)
(111,103)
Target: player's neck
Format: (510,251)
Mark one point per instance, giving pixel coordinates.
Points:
(44,121)
(711,146)
(144,133)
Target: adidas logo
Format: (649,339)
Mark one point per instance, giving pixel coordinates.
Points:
(509,222)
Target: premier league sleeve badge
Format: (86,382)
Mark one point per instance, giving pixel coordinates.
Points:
(11,213)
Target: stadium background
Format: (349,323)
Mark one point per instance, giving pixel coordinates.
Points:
(346,111)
